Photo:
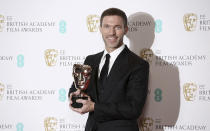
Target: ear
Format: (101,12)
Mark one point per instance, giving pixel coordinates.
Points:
(126,29)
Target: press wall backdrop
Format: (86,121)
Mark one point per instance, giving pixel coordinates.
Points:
(40,40)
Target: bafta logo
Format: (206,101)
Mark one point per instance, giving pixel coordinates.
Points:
(51,57)
(189,90)
(146,124)
(1,91)
(50,124)
(190,21)
(1,22)
(146,54)
(93,23)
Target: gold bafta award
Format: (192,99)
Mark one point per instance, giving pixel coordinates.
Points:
(81,75)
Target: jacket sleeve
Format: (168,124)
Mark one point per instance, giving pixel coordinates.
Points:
(136,94)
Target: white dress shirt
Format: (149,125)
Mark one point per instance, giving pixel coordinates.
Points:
(113,56)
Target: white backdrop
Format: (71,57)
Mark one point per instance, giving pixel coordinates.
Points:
(41,40)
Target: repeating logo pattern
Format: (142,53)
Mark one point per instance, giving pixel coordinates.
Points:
(146,124)
(190,91)
(1,22)
(60,58)
(158,26)
(2,88)
(194,22)
(158,95)
(50,124)
(190,21)
(61,124)
(62,26)
(93,22)
(20,127)
(20,60)
(62,94)
(51,57)
(147,54)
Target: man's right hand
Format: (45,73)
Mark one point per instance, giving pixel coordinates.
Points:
(73,94)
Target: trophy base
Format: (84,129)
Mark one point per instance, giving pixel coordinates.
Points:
(75,104)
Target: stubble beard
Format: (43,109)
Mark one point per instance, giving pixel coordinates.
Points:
(113,46)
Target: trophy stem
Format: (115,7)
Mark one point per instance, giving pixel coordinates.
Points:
(75,98)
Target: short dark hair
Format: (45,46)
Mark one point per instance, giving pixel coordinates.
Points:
(114,11)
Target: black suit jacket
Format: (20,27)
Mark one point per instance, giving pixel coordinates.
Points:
(124,94)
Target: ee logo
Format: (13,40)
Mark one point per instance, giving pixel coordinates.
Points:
(158,95)
(19,127)
(62,26)
(20,60)
(158,26)
(62,94)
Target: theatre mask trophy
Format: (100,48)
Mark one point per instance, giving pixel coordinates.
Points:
(81,74)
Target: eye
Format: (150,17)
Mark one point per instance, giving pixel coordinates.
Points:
(76,74)
(118,27)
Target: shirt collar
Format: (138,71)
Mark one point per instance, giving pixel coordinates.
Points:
(115,53)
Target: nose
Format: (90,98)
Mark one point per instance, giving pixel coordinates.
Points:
(80,76)
(112,31)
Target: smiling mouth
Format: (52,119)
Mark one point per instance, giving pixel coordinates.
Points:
(112,38)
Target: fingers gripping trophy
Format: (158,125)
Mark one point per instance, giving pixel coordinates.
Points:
(81,75)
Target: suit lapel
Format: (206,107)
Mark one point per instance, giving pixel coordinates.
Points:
(94,77)
(119,67)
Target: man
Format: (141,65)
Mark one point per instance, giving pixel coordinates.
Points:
(115,101)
